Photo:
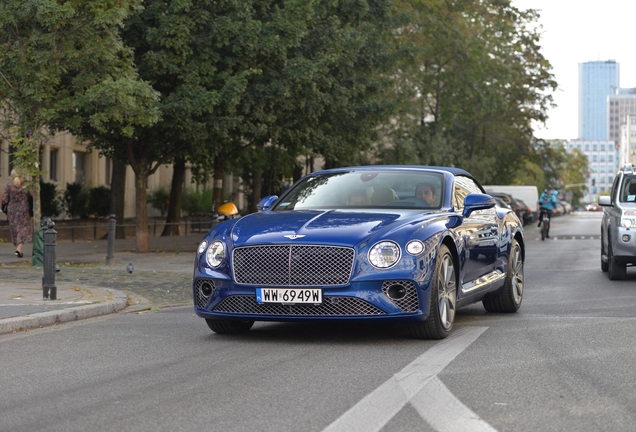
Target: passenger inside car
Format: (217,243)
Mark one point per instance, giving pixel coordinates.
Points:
(357,197)
(383,194)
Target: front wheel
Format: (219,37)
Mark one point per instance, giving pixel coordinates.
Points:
(509,299)
(443,300)
(615,271)
(604,264)
(544,228)
(229,326)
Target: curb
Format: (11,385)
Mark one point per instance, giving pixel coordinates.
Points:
(43,319)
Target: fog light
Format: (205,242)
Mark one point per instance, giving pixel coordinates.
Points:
(396,292)
(626,237)
(206,289)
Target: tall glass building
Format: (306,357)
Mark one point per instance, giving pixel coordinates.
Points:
(597,81)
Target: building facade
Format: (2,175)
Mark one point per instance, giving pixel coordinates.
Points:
(597,81)
(620,105)
(604,160)
(66,160)
(628,140)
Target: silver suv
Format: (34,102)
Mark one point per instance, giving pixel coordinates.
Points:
(618,229)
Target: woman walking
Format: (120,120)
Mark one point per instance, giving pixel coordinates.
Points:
(18,212)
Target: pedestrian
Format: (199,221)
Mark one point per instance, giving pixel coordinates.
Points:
(19,212)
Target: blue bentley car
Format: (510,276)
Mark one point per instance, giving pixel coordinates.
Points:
(407,244)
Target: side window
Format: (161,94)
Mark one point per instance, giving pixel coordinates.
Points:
(462,187)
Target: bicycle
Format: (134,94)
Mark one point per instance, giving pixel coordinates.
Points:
(545,225)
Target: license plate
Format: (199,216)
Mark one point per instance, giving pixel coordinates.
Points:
(289,295)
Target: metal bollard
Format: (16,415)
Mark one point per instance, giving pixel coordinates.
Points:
(111,239)
(49,289)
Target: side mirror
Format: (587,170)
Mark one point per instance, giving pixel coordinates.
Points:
(476,201)
(265,203)
(605,200)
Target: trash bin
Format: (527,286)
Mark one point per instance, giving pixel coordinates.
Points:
(38,248)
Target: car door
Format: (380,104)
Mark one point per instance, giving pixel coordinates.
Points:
(479,233)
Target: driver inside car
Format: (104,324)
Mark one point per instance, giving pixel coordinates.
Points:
(425,192)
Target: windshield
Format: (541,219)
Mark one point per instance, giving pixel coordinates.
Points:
(628,192)
(366,189)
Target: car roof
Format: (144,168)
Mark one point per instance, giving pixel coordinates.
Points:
(451,170)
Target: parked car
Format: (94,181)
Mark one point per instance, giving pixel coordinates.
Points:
(618,226)
(520,210)
(501,203)
(315,254)
(528,214)
(528,194)
(593,207)
(567,207)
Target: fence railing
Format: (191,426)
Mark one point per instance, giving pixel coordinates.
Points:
(98,229)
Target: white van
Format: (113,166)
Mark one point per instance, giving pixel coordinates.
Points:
(528,194)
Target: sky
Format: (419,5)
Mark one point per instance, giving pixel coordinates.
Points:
(575,32)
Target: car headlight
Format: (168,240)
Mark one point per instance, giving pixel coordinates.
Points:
(384,254)
(628,223)
(215,254)
(628,219)
(202,247)
(415,247)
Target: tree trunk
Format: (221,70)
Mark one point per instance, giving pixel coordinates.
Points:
(141,186)
(219,172)
(172,227)
(257,186)
(118,196)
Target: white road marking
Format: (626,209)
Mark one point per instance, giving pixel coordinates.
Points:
(417,383)
(444,412)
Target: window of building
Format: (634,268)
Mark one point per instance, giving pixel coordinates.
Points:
(602,157)
(602,147)
(53,157)
(610,158)
(578,146)
(594,147)
(79,167)
(594,158)
(587,147)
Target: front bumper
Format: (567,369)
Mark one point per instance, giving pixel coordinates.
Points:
(624,245)
(217,298)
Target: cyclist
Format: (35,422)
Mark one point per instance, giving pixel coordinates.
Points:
(548,205)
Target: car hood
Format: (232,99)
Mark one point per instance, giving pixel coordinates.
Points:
(320,227)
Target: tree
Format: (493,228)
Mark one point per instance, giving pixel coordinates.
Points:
(475,81)
(56,58)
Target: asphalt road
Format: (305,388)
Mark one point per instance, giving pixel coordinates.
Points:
(564,362)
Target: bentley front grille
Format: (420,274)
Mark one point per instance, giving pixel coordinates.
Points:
(402,293)
(293,265)
(331,306)
(203,289)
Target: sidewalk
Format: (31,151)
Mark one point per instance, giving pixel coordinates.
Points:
(87,287)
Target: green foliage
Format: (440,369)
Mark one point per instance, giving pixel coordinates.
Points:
(75,200)
(474,82)
(98,204)
(158,199)
(50,199)
(197,203)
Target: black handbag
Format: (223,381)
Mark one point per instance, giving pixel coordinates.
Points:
(5,208)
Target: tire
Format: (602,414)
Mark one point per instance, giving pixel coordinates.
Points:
(510,297)
(443,300)
(604,265)
(615,271)
(544,230)
(229,326)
